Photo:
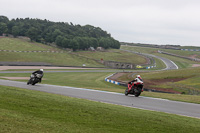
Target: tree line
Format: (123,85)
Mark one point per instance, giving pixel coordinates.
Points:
(63,34)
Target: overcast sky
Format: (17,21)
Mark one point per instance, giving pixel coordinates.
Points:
(140,21)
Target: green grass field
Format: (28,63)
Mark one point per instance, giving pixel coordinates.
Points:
(23,45)
(181,52)
(140,49)
(32,111)
(61,59)
(96,81)
(114,55)
(188,84)
(190,47)
(83,57)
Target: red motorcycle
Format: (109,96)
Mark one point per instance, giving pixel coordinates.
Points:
(134,88)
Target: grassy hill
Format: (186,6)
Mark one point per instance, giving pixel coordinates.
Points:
(23,45)
(32,111)
(61,57)
(114,55)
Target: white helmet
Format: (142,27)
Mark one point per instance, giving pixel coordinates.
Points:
(138,76)
(41,70)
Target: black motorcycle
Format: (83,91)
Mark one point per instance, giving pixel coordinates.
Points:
(34,79)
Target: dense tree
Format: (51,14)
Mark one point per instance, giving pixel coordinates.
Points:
(3,24)
(3,28)
(4,19)
(94,42)
(56,33)
(66,43)
(75,45)
(66,35)
(103,42)
(33,33)
(15,31)
(10,25)
(59,40)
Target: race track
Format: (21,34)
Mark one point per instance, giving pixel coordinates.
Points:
(147,103)
(155,104)
(169,64)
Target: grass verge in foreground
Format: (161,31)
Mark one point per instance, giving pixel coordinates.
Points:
(32,111)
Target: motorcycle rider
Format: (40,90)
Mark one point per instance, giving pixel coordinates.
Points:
(137,79)
(39,72)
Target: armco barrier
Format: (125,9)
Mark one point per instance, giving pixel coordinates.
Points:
(190,49)
(150,67)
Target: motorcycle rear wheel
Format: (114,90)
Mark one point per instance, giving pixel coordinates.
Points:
(137,94)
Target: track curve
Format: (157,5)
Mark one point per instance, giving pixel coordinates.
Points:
(155,104)
(169,64)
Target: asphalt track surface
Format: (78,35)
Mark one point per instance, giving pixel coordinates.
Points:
(154,104)
(169,64)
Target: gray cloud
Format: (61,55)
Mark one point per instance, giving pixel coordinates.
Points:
(143,21)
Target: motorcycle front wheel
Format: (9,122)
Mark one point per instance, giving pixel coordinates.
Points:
(126,92)
(33,83)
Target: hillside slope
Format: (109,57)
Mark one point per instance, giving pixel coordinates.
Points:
(21,50)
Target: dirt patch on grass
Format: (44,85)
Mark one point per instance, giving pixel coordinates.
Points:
(196,65)
(160,81)
(116,76)
(148,84)
(193,56)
